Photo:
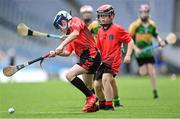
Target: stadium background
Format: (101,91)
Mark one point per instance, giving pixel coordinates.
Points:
(55,98)
(40,14)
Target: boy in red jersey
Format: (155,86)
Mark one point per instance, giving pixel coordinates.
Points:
(80,41)
(93,26)
(110,37)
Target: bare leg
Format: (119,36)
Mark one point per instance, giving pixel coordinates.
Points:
(115,89)
(108,90)
(88,80)
(106,81)
(72,74)
(115,93)
(99,90)
(152,74)
(143,70)
(75,71)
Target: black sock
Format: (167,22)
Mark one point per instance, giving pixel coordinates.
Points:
(155,92)
(78,83)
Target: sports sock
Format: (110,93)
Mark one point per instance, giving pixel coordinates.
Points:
(116,100)
(109,106)
(78,83)
(155,93)
(108,103)
(102,102)
(102,105)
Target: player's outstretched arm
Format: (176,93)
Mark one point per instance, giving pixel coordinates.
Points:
(127,58)
(136,49)
(63,54)
(161,42)
(70,38)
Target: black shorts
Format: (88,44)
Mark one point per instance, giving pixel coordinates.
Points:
(142,61)
(90,63)
(103,69)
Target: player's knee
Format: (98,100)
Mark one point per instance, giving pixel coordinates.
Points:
(112,80)
(70,76)
(151,73)
(106,80)
(142,72)
(151,70)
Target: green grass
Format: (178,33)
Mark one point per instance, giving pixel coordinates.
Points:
(56,99)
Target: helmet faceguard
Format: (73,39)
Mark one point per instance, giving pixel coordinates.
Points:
(61,16)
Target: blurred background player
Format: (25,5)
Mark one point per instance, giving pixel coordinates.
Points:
(110,37)
(142,31)
(87,16)
(80,41)
(93,26)
(86,12)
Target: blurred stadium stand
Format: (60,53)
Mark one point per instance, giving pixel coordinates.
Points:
(39,15)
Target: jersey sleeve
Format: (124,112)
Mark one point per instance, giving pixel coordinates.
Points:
(77,25)
(132,29)
(124,36)
(69,48)
(154,33)
(133,26)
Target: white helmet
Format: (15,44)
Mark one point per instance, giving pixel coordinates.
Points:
(61,15)
(144,7)
(86,8)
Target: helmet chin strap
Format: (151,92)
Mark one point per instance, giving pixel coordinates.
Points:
(68,31)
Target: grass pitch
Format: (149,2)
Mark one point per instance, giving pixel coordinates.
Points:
(56,99)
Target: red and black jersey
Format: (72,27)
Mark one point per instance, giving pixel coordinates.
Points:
(84,41)
(84,46)
(109,43)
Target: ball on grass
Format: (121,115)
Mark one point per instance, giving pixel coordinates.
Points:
(11,110)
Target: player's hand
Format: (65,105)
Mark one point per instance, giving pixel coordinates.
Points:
(137,51)
(52,53)
(59,49)
(127,59)
(162,43)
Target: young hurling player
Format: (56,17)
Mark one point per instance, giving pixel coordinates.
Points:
(82,43)
(110,37)
(143,30)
